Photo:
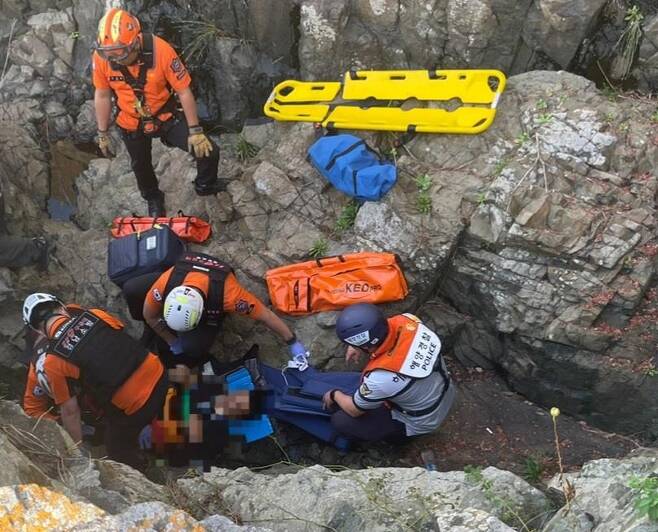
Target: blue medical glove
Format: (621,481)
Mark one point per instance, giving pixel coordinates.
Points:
(297,349)
(177,346)
(144,438)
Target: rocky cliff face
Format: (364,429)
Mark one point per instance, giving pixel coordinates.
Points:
(537,257)
(237,50)
(57,489)
(541,234)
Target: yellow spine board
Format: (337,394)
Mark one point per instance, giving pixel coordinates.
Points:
(476,91)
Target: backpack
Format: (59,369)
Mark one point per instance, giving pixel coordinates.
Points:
(154,250)
(352,166)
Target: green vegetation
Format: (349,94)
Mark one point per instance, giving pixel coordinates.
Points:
(532,470)
(654,117)
(610,92)
(347,217)
(522,138)
(245,150)
(544,118)
(508,514)
(473,474)
(646,495)
(203,36)
(482,198)
(423,199)
(629,42)
(499,167)
(319,248)
(542,105)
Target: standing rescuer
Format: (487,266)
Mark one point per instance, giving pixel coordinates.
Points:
(87,352)
(405,388)
(144,73)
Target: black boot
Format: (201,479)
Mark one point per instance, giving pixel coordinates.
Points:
(156,206)
(209,189)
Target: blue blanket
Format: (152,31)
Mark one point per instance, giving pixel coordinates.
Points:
(297,399)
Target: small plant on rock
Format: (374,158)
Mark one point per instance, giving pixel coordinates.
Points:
(522,138)
(542,104)
(319,248)
(423,200)
(532,470)
(567,487)
(610,92)
(628,43)
(347,217)
(473,474)
(245,150)
(654,117)
(646,495)
(544,118)
(651,372)
(499,167)
(202,38)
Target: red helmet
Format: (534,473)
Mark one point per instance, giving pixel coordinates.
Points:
(118,35)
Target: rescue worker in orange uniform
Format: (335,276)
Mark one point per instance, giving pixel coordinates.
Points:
(87,352)
(144,74)
(185,305)
(405,388)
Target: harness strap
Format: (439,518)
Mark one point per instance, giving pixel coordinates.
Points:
(418,413)
(137,84)
(217,272)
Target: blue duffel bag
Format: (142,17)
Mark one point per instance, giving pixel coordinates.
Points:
(151,251)
(352,166)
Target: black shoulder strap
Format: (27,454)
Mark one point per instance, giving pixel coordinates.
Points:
(51,346)
(216,270)
(137,83)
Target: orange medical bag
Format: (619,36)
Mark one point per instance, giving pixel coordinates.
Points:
(333,283)
(188,228)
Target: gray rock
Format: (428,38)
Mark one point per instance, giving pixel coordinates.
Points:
(219,523)
(557,27)
(17,468)
(128,482)
(470,519)
(49,39)
(273,183)
(478,33)
(349,499)
(603,499)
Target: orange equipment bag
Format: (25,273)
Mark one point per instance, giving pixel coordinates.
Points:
(189,228)
(333,283)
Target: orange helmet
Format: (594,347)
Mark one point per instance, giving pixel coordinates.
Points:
(118,35)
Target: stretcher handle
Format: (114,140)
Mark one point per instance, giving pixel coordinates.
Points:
(188,221)
(339,257)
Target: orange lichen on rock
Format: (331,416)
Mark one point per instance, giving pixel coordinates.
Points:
(33,508)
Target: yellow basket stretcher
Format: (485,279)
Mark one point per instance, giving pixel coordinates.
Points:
(385,100)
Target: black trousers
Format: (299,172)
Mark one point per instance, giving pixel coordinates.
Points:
(122,431)
(374,425)
(196,343)
(172,133)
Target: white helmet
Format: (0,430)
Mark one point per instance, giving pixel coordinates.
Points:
(32,302)
(183,308)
